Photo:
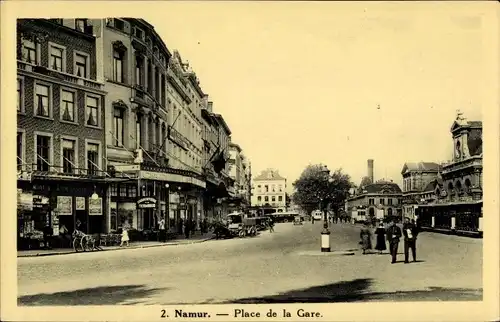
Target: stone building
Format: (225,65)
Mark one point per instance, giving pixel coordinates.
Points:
(239,172)
(458,206)
(419,182)
(60,129)
(270,191)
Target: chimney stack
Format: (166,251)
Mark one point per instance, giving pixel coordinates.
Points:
(370,170)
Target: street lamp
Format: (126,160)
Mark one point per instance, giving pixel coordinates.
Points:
(325,233)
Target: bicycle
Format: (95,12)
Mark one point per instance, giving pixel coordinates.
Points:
(77,240)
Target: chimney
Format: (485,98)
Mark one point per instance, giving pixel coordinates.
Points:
(370,170)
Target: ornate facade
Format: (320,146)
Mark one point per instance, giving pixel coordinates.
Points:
(270,191)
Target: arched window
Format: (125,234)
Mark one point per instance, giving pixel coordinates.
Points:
(371,212)
(458,186)
(468,185)
(450,188)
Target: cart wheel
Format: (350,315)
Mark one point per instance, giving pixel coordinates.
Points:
(241,234)
(285,220)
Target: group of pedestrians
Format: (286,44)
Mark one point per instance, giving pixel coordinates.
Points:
(392,235)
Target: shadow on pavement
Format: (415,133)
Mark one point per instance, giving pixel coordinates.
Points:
(104,295)
(358,291)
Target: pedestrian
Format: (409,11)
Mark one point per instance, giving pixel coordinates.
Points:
(161,227)
(366,238)
(47,236)
(205,225)
(410,233)
(271,225)
(380,232)
(393,235)
(180,226)
(187,228)
(125,238)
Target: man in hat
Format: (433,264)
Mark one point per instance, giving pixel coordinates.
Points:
(393,236)
(410,233)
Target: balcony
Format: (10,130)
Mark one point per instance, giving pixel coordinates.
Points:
(80,81)
(31,171)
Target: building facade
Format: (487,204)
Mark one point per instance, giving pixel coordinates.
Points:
(60,121)
(374,200)
(240,172)
(270,191)
(419,182)
(457,205)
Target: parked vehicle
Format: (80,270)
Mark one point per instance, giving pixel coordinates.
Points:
(317,215)
(298,220)
(282,217)
(240,226)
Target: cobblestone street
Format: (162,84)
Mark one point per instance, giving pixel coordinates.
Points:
(272,267)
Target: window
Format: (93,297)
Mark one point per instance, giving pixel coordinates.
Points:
(266,198)
(123,190)
(139,33)
(20,92)
(280,198)
(150,79)
(56,58)
(42,100)
(92,108)
(92,158)
(81,24)
(259,198)
(259,188)
(273,198)
(382,201)
(132,191)
(43,152)
(118,126)
(389,201)
(20,159)
(266,188)
(114,190)
(138,131)
(119,24)
(80,65)
(371,201)
(280,188)
(29,51)
(117,66)
(139,70)
(274,188)
(68,147)
(68,105)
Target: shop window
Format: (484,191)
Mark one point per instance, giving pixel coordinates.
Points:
(81,62)
(68,153)
(68,105)
(118,66)
(92,158)
(118,126)
(92,104)
(42,94)
(43,146)
(29,51)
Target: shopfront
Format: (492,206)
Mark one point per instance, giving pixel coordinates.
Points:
(48,205)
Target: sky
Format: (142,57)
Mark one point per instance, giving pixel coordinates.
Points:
(334,83)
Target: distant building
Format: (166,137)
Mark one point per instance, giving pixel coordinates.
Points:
(239,172)
(380,200)
(419,181)
(458,203)
(270,190)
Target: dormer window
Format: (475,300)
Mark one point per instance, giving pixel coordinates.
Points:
(119,24)
(139,33)
(81,24)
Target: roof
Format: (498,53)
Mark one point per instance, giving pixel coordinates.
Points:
(269,174)
(421,166)
(431,186)
(382,187)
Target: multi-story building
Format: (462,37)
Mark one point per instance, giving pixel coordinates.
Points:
(60,121)
(458,206)
(419,181)
(270,191)
(379,200)
(239,172)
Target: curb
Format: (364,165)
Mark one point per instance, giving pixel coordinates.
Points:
(125,248)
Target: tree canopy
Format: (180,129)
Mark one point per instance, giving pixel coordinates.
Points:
(316,188)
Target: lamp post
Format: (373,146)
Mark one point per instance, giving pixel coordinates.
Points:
(325,233)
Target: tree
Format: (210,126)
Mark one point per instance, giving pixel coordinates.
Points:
(317,188)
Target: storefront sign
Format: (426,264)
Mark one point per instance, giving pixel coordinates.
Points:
(147,202)
(95,207)
(24,200)
(80,203)
(65,205)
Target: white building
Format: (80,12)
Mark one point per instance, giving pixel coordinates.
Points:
(270,190)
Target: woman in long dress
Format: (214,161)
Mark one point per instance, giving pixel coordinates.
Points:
(380,232)
(125,237)
(366,238)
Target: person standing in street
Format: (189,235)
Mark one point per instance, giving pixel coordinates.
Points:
(380,233)
(393,236)
(271,225)
(366,238)
(161,227)
(187,228)
(125,238)
(410,234)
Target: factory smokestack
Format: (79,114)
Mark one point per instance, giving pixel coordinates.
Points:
(370,170)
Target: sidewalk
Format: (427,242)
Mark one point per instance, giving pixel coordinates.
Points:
(180,240)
